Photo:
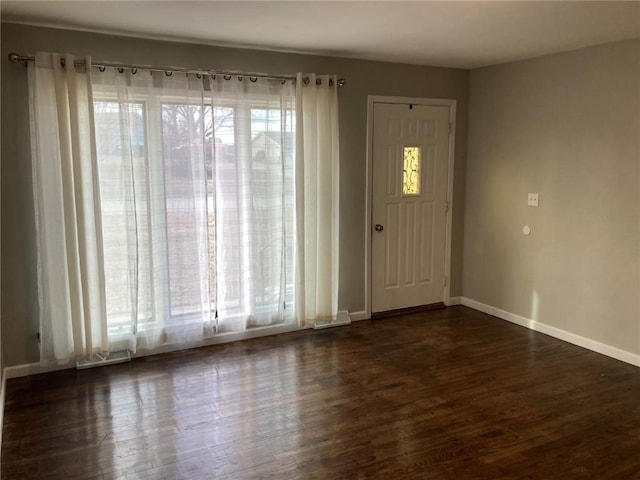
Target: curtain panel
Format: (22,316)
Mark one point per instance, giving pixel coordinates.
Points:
(317,197)
(151,144)
(68,212)
(253,189)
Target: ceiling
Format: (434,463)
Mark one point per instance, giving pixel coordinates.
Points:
(463,34)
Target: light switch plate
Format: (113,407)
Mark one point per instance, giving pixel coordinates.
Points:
(532,199)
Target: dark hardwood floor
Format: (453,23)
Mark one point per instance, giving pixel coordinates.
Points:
(447,394)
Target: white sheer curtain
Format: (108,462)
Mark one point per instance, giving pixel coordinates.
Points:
(152,150)
(197,193)
(173,207)
(253,130)
(317,197)
(66,197)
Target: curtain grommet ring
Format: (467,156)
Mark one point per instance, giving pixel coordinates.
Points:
(306,80)
(198,76)
(318,82)
(227,77)
(253,79)
(102,68)
(120,70)
(134,71)
(240,78)
(168,73)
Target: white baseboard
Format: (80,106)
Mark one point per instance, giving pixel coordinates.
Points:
(3,390)
(35,368)
(361,315)
(589,344)
(32,369)
(453,301)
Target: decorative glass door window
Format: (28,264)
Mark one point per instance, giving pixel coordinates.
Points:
(411,169)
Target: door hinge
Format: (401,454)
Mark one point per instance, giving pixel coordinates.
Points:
(444,281)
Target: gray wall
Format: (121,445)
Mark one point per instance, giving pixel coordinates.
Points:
(19,308)
(568,127)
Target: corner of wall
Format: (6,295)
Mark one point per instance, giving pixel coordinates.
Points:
(594,346)
(453,301)
(536,126)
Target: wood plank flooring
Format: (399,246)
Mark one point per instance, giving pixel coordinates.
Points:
(448,394)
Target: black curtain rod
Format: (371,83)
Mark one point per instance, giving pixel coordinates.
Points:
(15,58)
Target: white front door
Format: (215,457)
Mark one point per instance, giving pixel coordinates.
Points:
(409,204)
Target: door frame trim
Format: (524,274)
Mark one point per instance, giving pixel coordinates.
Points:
(432,102)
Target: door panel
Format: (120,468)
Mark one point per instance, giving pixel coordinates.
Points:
(409,202)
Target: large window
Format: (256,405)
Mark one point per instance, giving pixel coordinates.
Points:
(184,213)
(166,166)
(121,133)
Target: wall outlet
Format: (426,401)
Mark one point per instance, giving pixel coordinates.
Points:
(532,199)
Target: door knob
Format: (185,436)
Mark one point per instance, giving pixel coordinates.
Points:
(379,227)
